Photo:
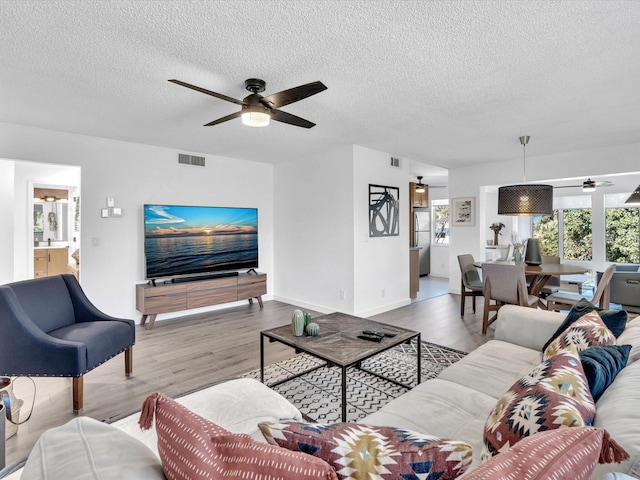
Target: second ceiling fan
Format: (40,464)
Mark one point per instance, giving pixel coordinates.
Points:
(257,110)
(589,185)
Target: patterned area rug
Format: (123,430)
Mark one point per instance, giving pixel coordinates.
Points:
(317,393)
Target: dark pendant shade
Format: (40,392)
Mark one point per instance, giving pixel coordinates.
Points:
(525,200)
(634,199)
(533,255)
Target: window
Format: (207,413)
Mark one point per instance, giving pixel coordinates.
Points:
(622,229)
(441,221)
(545,228)
(577,234)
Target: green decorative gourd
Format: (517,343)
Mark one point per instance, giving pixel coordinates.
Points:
(297,323)
(307,318)
(313,329)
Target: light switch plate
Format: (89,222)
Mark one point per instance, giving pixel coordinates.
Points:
(110,202)
(104,213)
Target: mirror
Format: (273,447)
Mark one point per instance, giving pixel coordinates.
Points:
(50,215)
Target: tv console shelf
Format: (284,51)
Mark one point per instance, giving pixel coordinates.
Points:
(174,297)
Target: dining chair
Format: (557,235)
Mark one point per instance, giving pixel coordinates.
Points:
(565,300)
(506,285)
(471,284)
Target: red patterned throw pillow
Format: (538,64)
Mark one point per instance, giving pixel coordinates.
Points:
(363,452)
(553,395)
(588,331)
(562,454)
(192,447)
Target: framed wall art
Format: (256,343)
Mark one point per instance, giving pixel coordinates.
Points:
(463,211)
(384,211)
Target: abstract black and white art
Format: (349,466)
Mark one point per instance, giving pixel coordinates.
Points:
(384,211)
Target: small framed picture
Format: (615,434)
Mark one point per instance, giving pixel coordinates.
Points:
(104,212)
(463,211)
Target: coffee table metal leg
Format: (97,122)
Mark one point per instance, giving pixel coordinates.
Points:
(344,394)
(261,358)
(419,373)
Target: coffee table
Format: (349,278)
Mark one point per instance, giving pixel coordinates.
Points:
(338,345)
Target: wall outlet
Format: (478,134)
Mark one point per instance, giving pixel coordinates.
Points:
(343,295)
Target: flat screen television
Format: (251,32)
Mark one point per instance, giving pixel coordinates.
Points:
(195,240)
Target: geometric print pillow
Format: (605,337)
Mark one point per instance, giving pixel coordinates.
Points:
(553,395)
(588,331)
(364,452)
(192,447)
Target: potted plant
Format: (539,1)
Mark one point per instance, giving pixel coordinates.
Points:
(497,228)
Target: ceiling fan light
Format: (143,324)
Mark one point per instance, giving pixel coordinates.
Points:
(634,198)
(589,186)
(420,188)
(256,119)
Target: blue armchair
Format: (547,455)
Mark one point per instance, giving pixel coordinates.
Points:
(49,328)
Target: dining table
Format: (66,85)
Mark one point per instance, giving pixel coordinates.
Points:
(542,273)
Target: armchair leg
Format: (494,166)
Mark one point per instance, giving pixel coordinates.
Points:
(78,394)
(128,361)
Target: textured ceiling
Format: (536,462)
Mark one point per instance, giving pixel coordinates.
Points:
(448,83)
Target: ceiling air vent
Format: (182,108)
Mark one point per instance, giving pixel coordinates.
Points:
(191,160)
(395,162)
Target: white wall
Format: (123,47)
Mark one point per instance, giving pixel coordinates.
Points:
(471,182)
(133,174)
(314,231)
(7,207)
(380,263)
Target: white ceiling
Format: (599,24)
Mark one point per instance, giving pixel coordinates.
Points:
(447,83)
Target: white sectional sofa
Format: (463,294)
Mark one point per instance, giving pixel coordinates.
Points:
(455,405)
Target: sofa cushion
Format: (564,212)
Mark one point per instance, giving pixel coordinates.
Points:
(602,364)
(631,336)
(362,452)
(615,320)
(85,449)
(563,454)
(493,367)
(191,446)
(588,331)
(439,408)
(555,394)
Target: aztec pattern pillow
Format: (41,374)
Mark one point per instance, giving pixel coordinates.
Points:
(193,447)
(615,320)
(602,364)
(553,395)
(588,331)
(363,452)
(562,454)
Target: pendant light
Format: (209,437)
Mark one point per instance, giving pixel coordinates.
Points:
(525,199)
(634,198)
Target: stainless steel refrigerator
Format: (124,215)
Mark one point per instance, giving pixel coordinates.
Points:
(422,237)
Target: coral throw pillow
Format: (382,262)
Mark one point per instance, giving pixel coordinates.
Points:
(588,331)
(363,452)
(553,395)
(563,454)
(191,447)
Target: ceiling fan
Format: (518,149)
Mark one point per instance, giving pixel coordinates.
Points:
(421,187)
(589,185)
(258,110)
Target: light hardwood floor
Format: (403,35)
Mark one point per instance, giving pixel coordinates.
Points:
(180,355)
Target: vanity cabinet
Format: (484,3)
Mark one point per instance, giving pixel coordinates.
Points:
(50,261)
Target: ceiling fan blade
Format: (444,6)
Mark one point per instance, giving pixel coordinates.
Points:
(224,119)
(208,92)
(294,94)
(604,183)
(284,117)
(569,186)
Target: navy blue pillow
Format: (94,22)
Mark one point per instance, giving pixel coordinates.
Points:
(602,364)
(615,320)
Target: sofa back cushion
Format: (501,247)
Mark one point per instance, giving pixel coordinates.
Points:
(46,302)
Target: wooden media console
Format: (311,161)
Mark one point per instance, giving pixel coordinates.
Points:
(184,295)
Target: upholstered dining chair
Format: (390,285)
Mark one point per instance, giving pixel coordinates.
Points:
(471,284)
(50,329)
(506,285)
(565,300)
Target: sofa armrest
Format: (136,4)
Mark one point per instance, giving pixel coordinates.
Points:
(527,327)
